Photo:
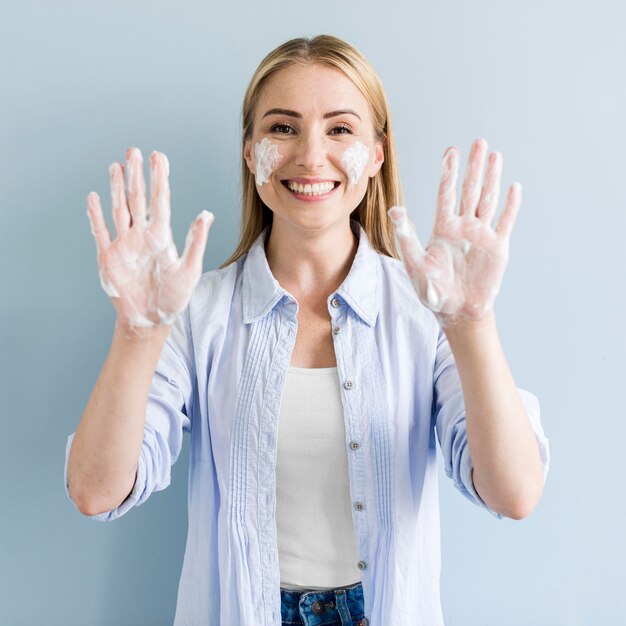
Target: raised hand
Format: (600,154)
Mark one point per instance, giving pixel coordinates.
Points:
(459,273)
(140,270)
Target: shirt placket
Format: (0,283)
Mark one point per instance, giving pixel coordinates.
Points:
(342,329)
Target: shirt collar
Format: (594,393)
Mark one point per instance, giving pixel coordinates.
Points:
(361,288)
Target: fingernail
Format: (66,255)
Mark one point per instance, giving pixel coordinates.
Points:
(116,171)
(133,153)
(159,156)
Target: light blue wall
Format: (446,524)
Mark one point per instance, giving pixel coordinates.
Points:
(542,81)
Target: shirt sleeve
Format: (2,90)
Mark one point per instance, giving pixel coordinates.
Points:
(451,427)
(167,417)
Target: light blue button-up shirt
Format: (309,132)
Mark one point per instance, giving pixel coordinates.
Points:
(220,377)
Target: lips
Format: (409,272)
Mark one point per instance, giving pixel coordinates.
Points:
(311,189)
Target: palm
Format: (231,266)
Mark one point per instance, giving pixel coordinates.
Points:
(146,278)
(141,271)
(459,273)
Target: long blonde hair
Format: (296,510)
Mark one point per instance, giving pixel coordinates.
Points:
(383,190)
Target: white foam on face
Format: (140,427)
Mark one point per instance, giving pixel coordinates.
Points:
(354,160)
(266,156)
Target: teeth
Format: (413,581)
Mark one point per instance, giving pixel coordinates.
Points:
(316,189)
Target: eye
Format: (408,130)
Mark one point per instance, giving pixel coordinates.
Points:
(344,128)
(281,129)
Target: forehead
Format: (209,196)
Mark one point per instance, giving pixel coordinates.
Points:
(313,89)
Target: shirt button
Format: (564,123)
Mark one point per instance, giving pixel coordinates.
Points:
(361,564)
(347,384)
(359,506)
(336,330)
(354,445)
(335,302)
(362,622)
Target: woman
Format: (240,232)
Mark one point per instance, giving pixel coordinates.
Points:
(314,368)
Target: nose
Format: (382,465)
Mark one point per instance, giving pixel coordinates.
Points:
(310,151)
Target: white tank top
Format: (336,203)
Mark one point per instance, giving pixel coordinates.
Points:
(316,543)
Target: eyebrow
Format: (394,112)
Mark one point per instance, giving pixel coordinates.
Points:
(291,113)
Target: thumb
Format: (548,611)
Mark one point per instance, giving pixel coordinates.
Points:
(409,247)
(195,242)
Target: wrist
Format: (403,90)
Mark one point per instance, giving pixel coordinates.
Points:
(468,328)
(125,332)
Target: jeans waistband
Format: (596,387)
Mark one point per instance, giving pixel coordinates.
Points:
(342,605)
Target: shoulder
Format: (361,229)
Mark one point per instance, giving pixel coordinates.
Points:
(396,282)
(214,292)
(399,295)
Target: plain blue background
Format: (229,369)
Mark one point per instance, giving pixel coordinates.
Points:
(543,82)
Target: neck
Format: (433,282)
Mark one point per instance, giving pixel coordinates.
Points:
(310,265)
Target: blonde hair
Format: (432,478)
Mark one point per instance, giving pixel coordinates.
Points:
(383,190)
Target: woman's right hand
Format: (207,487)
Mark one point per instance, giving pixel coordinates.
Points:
(140,270)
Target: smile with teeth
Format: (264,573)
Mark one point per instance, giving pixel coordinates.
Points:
(316,189)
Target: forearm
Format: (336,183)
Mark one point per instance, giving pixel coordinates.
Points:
(507,467)
(106,447)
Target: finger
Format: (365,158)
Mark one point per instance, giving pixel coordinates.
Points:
(195,242)
(99,228)
(159,190)
(121,216)
(410,248)
(136,187)
(473,175)
(511,209)
(446,197)
(491,190)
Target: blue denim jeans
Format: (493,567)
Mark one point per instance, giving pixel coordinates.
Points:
(337,607)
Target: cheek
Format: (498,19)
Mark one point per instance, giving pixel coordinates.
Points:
(266,158)
(354,160)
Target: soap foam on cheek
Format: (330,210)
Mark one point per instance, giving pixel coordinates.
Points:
(266,156)
(354,160)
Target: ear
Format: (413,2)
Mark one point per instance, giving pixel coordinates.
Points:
(379,157)
(247,155)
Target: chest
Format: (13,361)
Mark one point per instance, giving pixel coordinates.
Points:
(314,342)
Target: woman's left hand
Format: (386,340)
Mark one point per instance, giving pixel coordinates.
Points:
(459,273)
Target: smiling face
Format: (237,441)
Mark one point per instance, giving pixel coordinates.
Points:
(312,148)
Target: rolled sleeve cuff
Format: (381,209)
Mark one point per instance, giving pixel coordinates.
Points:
(465,483)
(132,499)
